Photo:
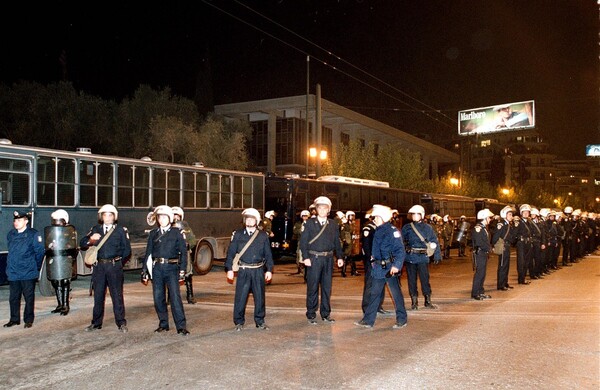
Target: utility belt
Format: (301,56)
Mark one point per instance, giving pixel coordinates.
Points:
(251,265)
(418,251)
(321,254)
(162,260)
(113,260)
(384,263)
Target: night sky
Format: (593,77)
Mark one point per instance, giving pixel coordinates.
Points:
(432,58)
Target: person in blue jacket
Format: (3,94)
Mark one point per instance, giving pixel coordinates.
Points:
(387,257)
(25,255)
(417,260)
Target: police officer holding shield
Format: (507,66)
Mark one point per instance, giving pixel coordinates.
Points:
(108,272)
(319,242)
(61,251)
(166,256)
(190,239)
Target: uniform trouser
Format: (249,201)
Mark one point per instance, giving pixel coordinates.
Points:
(377,290)
(319,274)
(574,249)
(367,287)
(108,275)
(167,275)
(18,288)
(481,259)
(411,273)
(503,268)
(535,266)
(552,255)
(523,258)
(249,280)
(567,251)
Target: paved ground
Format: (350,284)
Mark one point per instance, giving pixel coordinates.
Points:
(545,335)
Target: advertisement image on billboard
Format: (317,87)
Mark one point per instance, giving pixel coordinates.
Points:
(503,117)
(592,150)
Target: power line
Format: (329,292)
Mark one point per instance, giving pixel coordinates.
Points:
(324,62)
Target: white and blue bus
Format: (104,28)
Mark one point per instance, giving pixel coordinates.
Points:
(40,180)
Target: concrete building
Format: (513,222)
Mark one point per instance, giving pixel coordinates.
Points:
(280,141)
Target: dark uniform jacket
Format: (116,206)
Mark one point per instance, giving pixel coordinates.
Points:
(25,254)
(257,252)
(170,245)
(366,239)
(552,232)
(327,242)
(388,246)
(523,230)
(117,245)
(538,232)
(412,241)
(480,239)
(503,229)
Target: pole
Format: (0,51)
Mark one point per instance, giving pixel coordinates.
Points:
(319,129)
(307,97)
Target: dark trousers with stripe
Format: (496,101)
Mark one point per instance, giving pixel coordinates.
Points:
(249,280)
(108,275)
(319,274)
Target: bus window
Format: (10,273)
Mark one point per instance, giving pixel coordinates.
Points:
(188,189)
(46,177)
(125,186)
(225,192)
(141,191)
(65,182)
(55,181)
(215,186)
(173,187)
(159,182)
(201,190)
(14,181)
(258,186)
(105,183)
(242,192)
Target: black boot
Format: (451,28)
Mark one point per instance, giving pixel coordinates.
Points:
(414,302)
(344,268)
(428,303)
(65,300)
(57,290)
(189,290)
(353,271)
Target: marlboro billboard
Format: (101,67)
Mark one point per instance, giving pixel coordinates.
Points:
(592,151)
(503,117)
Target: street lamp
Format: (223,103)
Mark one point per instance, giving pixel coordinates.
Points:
(454,181)
(505,191)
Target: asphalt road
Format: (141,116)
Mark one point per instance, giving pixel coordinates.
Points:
(545,335)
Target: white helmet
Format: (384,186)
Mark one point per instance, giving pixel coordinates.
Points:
(177,211)
(340,214)
(382,211)
(506,210)
(576,212)
(544,212)
(305,212)
(568,210)
(269,214)
(252,212)
(462,217)
(323,200)
(417,209)
(535,211)
(164,210)
(60,214)
(446,218)
(108,208)
(483,214)
(368,213)
(349,213)
(524,207)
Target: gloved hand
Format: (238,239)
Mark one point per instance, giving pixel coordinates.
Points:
(144,278)
(437,261)
(181,276)
(268,276)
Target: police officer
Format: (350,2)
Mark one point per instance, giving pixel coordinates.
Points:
(321,238)
(108,272)
(524,244)
(267,223)
(538,239)
(480,238)
(25,255)
(447,232)
(506,231)
(417,260)
(568,225)
(255,259)
(190,239)
(461,237)
(347,234)
(552,238)
(387,259)
(368,232)
(297,233)
(61,251)
(166,257)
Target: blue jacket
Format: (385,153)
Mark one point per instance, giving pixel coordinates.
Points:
(411,240)
(387,244)
(25,254)
(327,242)
(117,245)
(259,250)
(171,245)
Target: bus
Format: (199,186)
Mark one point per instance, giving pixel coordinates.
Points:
(288,196)
(40,180)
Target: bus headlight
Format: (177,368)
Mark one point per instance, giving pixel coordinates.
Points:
(285,245)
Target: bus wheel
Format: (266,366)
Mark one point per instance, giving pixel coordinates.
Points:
(203,258)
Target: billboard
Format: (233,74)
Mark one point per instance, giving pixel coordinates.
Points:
(592,151)
(503,117)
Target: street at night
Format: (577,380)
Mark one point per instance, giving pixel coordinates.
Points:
(542,335)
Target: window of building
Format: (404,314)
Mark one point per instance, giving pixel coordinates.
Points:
(344,138)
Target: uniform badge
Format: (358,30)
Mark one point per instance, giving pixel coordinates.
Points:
(39,238)
(232,234)
(499,226)
(397,234)
(477,228)
(366,233)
